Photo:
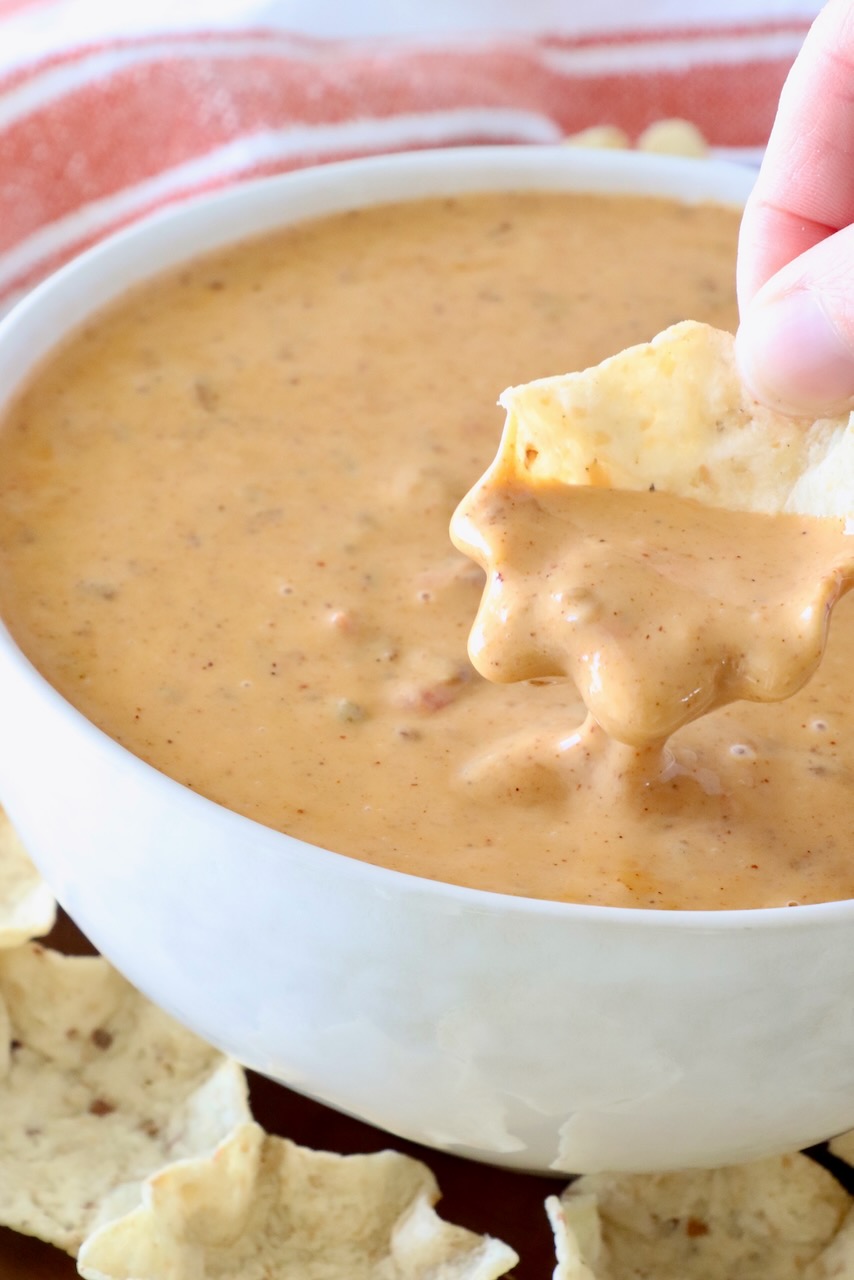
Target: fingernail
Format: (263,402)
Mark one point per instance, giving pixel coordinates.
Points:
(792,356)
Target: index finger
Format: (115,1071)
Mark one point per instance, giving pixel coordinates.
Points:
(805,188)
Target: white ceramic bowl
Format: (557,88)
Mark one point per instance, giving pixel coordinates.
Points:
(531,1034)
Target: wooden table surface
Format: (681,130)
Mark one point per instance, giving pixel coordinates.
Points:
(509,1205)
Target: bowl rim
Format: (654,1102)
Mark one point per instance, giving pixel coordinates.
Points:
(599,172)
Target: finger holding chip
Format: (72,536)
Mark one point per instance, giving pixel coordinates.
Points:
(673,414)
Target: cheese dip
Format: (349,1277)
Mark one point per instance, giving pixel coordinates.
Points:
(224,537)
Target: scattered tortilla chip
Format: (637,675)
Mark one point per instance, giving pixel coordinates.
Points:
(673,138)
(605,137)
(843,1147)
(673,414)
(577,1231)
(774,1219)
(263,1208)
(27,907)
(666,137)
(836,1262)
(98,1089)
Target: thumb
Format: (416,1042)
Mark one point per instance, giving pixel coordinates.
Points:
(795,343)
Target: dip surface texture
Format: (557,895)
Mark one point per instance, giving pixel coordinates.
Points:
(224,537)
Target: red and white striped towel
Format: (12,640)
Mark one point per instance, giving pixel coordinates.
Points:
(106,116)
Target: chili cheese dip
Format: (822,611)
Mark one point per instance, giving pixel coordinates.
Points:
(659,609)
(224,538)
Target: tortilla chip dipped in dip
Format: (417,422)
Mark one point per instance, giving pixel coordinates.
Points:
(655,537)
(653,533)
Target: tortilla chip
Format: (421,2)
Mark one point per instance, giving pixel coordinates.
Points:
(843,1147)
(604,137)
(673,138)
(774,1219)
(27,907)
(836,1262)
(577,1231)
(262,1208)
(98,1089)
(673,414)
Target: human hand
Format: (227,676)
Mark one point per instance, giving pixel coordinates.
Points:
(795,344)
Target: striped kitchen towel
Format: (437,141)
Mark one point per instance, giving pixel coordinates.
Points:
(108,112)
